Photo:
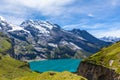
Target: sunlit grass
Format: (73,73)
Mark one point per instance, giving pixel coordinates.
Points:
(106,55)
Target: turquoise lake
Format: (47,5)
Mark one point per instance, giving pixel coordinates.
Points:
(58,65)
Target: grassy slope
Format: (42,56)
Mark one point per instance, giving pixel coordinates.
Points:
(108,57)
(53,76)
(4,43)
(11,68)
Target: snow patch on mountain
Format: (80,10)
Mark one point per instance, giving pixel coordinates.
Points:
(14,27)
(74,46)
(81,38)
(53,45)
(63,43)
(3,24)
(17,28)
(44,27)
(42,30)
(44,24)
(2,18)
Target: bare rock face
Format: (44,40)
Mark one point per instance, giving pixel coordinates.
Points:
(97,72)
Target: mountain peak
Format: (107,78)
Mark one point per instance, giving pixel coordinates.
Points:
(78,30)
(2,18)
(37,23)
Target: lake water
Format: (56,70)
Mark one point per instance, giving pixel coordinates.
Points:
(58,65)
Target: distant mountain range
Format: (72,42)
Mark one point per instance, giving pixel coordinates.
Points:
(44,40)
(110,39)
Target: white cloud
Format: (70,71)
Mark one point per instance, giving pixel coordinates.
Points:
(115,3)
(46,7)
(13,19)
(67,27)
(111,33)
(91,15)
(58,8)
(102,33)
(107,30)
(25,8)
(85,26)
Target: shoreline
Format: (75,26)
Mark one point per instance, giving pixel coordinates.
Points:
(35,60)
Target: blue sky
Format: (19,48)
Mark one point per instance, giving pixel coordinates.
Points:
(99,17)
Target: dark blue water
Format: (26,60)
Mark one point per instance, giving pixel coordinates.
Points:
(55,65)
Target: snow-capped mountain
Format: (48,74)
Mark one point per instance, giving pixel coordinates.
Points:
(4,25)
(45,40)
(110,39)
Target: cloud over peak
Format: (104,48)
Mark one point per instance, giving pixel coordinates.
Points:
(46,7)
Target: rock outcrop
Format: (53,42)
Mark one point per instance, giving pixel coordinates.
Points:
(97,72)
(104,65)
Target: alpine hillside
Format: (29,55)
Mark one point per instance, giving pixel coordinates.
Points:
(97,66)
(9,67)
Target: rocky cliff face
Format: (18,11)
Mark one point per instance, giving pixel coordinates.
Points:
(97,72)
(104,65)
(6,46)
